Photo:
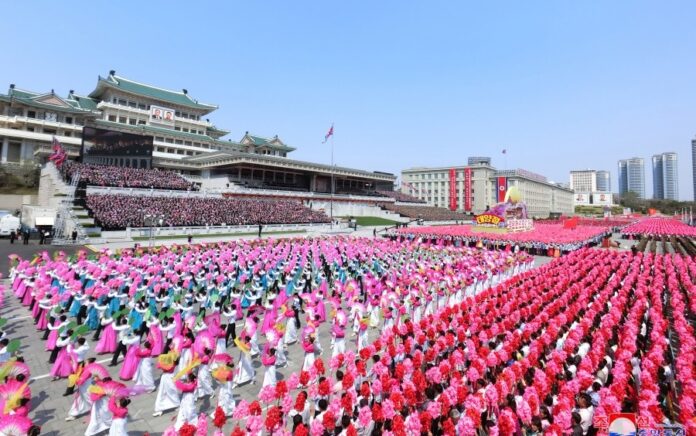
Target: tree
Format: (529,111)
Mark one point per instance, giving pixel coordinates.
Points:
(631,199)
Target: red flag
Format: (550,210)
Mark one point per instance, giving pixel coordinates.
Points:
(328,134)
(58,156)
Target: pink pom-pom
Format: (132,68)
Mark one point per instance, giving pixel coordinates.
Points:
(267,394)
(364,417)
(413,424)
(241,411)
(293,381)
(202,425)
(254,424)
(316,428)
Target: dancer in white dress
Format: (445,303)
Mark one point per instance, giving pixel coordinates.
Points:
(100,416)
(245,372)
(269,361)
(205,379)
(187,409)
(119,409)
(168,396)
(143,375)
(291,327)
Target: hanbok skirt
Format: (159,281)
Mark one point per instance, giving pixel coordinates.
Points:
(81,403)
(100,418)
(245,372)
(269,377)
(63,365)
(130,364)
(107,341)
(187,411)
(167,394)
(143,375)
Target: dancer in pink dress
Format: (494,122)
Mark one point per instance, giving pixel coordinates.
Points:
(63,366)
(155,337)
(130,363)
(109,339)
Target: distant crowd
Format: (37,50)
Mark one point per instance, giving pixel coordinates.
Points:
(118,212)
(104,175)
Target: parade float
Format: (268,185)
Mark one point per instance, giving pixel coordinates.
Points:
(510,215)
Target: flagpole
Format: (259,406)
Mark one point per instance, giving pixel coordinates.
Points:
(332,177)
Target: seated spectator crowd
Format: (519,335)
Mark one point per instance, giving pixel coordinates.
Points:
(121,211)
(104,175)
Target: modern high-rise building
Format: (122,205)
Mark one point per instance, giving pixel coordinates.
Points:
(665,180)
(632,176)
(583,180)
(658,175)
(603,181)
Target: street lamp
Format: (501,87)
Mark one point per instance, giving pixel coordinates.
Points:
(151,221)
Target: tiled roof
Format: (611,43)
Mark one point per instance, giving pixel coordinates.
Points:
(174,97)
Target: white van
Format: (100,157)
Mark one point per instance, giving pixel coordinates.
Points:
(8,223)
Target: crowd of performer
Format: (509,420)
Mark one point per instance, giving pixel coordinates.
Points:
(188,323)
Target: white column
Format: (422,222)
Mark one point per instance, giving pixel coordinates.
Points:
(5,147)
(22,149)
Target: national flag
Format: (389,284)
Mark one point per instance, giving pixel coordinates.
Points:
(328,134)
(58,156)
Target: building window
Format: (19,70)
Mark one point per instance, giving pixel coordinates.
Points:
(177,128)
(179,141)
(68,134)
(132,104)
(132,121)
(49,131)
(141,122)
(112,118)
(30,129)
(68,120)
(31,114)
(122,102)
(185,129)
(141,106)
(114,100)
(122,120)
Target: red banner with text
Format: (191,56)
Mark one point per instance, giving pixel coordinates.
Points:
(453,189)
(467,189)
(502,188)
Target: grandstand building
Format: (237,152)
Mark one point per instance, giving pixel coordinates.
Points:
(163,129)
(476,187)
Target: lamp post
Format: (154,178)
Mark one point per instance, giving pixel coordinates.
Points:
(151,221)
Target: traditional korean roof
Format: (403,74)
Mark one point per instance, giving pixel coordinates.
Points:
(180,98)
(49,101)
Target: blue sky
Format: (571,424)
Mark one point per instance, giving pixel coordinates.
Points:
(560,85)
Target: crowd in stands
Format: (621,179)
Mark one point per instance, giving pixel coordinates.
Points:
(122,177)
(400,196)
(118,212)
(427,213)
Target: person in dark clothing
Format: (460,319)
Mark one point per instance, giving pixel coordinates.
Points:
(42,237)
(260,228)
(73,235)
(25,236)
(13,236)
